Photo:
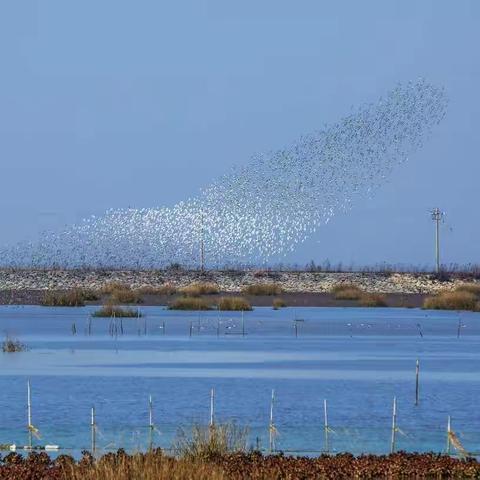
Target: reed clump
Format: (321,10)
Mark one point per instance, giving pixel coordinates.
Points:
(206,443)
(452,300)
(200,288)
(234,304)
(113,286)
(126,296)
(166,289)
(12,345)
(72,298)
(372,300)
(115,311)
(470,288)
(346,291)
(190,303)
(278,303)
(258,289)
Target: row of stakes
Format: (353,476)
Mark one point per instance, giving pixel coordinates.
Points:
(115,326)
(452,439)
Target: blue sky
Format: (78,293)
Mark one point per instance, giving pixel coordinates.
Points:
(120,103)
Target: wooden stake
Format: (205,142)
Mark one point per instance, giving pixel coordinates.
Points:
(271,428)
(29,415)
(243,324)
(191,328)
(325,427)
(417,373)
(93,431)
(150,422)
(212,407)
(459,326)
(394,425)
(163,324)
(449,430)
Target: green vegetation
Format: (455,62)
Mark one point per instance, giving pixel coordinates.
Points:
(199,288)
(234,304)
(11,345)
(114,311)
(278,303)
(452,300)
(262,289)
(190,303)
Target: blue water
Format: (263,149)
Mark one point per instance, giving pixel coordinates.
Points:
(357,359)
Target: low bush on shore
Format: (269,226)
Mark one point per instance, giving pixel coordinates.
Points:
(190,303)
(452,300)
(126,296)
(470,288)
(200,288)
(258,289)
(156,465)
(12,345)
(372,300)
(278,303)
(234,304)
(166,289)
(72,298)
(114,311)
(111,287)
(346,291)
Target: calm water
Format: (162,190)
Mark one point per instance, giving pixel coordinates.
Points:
(357,359)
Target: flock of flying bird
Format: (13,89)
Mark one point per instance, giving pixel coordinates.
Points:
(258,212)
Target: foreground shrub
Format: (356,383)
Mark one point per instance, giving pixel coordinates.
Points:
(200,288)
(346,291)
(262,289)
(190,303)
(372,300)
(234,304)
(114,311)
(456,300)
(11,345)
(72,298)
(278,303)
(210,442)
(166,289)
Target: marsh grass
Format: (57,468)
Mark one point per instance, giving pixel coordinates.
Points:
(258,289)
(278,303)
(206,443)
(372,300)
(234,304)
(115,311)
(126,296)
(452,300)
(199,288)
(72,298)
(12,345)
(166,289)
(470,288)
(346,291)
(111,287)
(190,303)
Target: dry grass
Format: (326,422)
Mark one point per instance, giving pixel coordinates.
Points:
(346,291)
(190,303)
(166,289)
(234,304)
(470,288)
(199,288)
(448,300)
(111,287)
(372,300)
(12,345)
(114,311)
(262,289)
(73,298)
(278,303)
(126,296)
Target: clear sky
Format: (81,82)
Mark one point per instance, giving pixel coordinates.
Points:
(116,103)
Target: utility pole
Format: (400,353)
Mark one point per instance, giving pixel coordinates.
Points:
(437,216)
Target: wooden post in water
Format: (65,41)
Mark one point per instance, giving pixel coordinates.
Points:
(271,428)
(29,415)
(150,423)
(417,373)
(243,325)
(218,328)
(449,429)
(212,408)
(145,326)
(163,325)
(296,328)
(93,431)
(459,326)
(325,425)
(191,328)
(394,425)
